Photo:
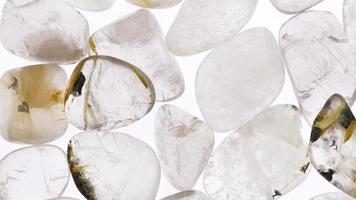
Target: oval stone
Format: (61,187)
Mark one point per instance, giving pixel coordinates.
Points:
(92,5)
(154,3)
(188,195)
(294,6)
(332,196)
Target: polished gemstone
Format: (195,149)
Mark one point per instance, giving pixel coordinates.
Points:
(39,172)
(30,96)
(184,144)
(106,93)
(294,6)
(154,3)
(205,24)
(115,166)
(333,142)
(188,195)
(332,196)
(319,59)
(138,39)
(92,5)
(224,89)
(44,30)
(264,159)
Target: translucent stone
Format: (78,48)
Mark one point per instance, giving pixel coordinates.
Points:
(184,144)
(44,30)
(108,165)
(188,195)
(224,91)
(92,5)
(350,22)
(264,159)
(154,3)
(332,196)
(106,93)
(319,59)
(294,6)
(39,172)
(62,198)
(30,96)
(138,39)
(205,24)
(332,144)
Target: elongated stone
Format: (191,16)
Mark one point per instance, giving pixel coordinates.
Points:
(39,172)
(154,3)
(30,96)
(138,39)
(224,91)
(333,142)
(319,59)
(332,196)
(44,30)
(184,144)
(294,6)
(350,22)
(204,24)
(106,93)
(188,195)
(92,5)
(107,165)
(264,159)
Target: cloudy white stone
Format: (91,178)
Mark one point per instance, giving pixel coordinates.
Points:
(188,195)
(184,144)
(39,172)
(154,3)
(62,198)
(204,24)
(107,165)
(319,59)
(264,159)
(92,5)
(350,22)
(294,6)
(44,30)
(239,79)
(332,196)
(138,39)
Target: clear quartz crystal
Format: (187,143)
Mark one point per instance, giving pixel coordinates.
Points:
(30,96)
(350,22)
(319,60)
(106,93)
(138,39)
(264,159)
(39,172)
(184,144)
(332,196)
(107,165)
(154,3)
(294,6)
(239,79)
(91,5)
(188,195)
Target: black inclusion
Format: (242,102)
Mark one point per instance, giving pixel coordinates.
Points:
(328,175)
(78,85)
(315,134)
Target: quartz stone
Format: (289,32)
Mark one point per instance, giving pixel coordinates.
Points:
(205,24)
(106,93)
(264,159)
(333,142)
(138,39)
(154,3)
(30,96)
(44,30)
(92,5)
(350,22)
(39,172)
(62,198)
(224,91)
(319,59)
(332,196)
(188,195)
(184,144)
(294,6)
(115,166)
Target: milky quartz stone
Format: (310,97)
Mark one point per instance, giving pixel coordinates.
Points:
(62,198)
(106,93)
(204,24)
(44,30)
(92,5)
(264,159)
(294,6)
(332,196)
(184,144)
(188,195)
(154,3)
(333,142)
(138,39)
(350,22)
(319,60)
(116,166)
(39,172)
(224,89)
(30,96)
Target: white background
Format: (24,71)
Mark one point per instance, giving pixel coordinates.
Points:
(265,15)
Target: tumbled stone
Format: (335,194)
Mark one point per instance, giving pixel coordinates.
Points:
(332,144)
(294,6)
(264,159)
(188,195)
(138,39)
(92,5)
(184,144)
(350,22)
(106,93)
(332,196)
(319,59)
(62,198)
(108,165)
(39,172)
(224,89)
(204,24)
(30,96)
(44,30)
(154,3)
